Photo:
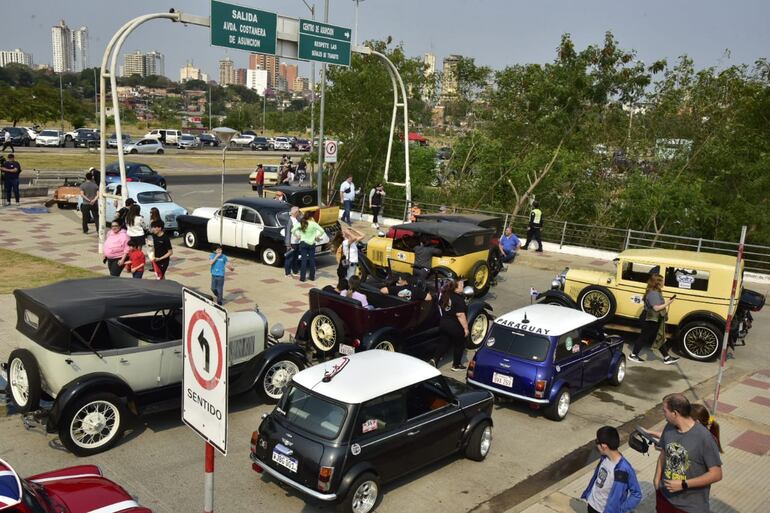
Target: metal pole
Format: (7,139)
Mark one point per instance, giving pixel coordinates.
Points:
(628,238)
(208,480)
(209,108)
(700,241)
(728,324)
(222,197)
(264,109)
(96,99)
(321,117)
(355,26)
(61,102)
(563,233)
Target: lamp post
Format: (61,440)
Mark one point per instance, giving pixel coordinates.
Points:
(312,87)
(61,102)
(355,25)
(224,134)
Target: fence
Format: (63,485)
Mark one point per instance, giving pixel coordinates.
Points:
(567,233)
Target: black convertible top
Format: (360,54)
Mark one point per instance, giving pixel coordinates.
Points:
(48,314)
(450,232)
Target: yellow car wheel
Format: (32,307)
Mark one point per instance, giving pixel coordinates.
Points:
(597,301)
(479,278)
(326,331)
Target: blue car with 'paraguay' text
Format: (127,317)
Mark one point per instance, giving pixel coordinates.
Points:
(544,355)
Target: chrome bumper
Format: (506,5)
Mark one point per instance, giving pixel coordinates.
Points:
(302,488)
(507,394)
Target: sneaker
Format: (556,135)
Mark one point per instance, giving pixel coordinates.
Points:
(458,368)
(668,360)
(635,358)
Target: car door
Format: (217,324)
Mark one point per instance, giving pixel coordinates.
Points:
(229,214)
(112,204)
(171,365)
(146,174)
(249,228)
(568,362)
(632,282)
(596,355)
(378,432)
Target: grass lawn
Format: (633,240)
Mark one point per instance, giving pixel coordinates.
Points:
(29,271)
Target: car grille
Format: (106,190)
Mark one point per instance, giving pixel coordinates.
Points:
(241,347)
(376,255)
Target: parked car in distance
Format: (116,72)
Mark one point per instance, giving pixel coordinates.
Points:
(73,489)
(70,136)
(19,136)
(282,144)
(49,138)
(545,355)
(31,132)
(135,172)
(187,141)
(701,281)
(146,146)
(260,144)
(68,194)
(209,140)
(243,139)
(271,176)
(112,142)
(147,196)
(164,135)
(347,426)
(87,139)
(118,349)
(302,145)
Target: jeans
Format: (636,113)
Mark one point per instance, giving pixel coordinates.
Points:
(218,288)
(347,206)
(375,214)
(114,267)
(11,185)
(508,256)
(453,332)
(291,260)
(90,213)
(307,253)
(137,274)
(647,337)
(261,191)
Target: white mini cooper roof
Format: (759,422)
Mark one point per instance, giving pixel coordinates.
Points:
(549,320)
(365,376)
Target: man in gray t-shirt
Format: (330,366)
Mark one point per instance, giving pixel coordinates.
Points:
(89,193)
(423,258)
(689,462)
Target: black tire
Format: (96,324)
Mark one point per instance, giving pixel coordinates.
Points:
(597,301)
(133,151)
(253,187)
(270,255)
(480,278)
(495,262)
(276,376)
(554,301)
(478,327)
(553,411)
(160,151)
(363,495)
(24,383)
(67,138)
(104,407)
(191,239)
(162,184)
(619,373)
(700,340)
(326,330)
(479,442)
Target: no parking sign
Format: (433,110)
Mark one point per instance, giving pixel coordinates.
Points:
(204,383)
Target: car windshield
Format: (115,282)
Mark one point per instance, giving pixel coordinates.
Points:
(188,138)
(153,197)
(312,413)
(520,344)
(35,497)
(49,133)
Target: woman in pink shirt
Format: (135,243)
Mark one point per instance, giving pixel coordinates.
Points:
(115,247)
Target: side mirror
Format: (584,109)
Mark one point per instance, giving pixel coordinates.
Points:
(468,291)
(277,331)
(380,233)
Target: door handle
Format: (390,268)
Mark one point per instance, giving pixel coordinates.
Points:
(177,351)
(123,361)
(412,433)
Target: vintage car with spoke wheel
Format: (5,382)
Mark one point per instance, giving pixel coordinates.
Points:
(544,355)
(346,427)
(696,320)
(337,324)
(115,349)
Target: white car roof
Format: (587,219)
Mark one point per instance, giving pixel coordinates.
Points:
(137,187)
(550,320)
(366,375)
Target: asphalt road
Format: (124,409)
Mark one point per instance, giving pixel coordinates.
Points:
(168,149)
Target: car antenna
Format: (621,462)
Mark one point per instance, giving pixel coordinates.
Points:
(328,375)
(525,320)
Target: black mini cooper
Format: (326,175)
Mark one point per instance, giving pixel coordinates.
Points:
(346,426)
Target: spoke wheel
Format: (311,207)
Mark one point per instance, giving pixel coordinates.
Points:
(700,340)
(276,378)
(385,345)
(478,331)
(93,424)
(24,381)
(597,301)
(326,331)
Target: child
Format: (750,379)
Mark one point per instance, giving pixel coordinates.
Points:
(134,260)
(218,261)
(613,487)
(162,251)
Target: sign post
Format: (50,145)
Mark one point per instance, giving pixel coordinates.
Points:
(321,42)
(204,379)
(330,152)
(233,26)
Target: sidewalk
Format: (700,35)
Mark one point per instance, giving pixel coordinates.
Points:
(744,420)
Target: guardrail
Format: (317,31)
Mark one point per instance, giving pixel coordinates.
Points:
(567,233)
(54,178)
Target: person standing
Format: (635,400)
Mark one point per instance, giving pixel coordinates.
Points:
(301,171)
(162,250)
(11,171)
(134,261)
(376,199)
(121,216)
(689,461)
(115,248)
(309,233)
(7,141)
(348,195)
(414,212)
(260,181)
(454,321)
(509,244)
(135,225)
(614,487)
(423,258)
(655,315)
(291,257)
(89,210)
(218,262)
(154,214)
(535,225)
(350,251)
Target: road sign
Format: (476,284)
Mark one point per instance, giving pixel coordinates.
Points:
(233,26)
(330,152)
(204,382)
(322,42)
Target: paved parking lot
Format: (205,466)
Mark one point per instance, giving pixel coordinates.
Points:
(161,461)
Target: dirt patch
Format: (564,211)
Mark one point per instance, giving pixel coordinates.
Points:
(29,271)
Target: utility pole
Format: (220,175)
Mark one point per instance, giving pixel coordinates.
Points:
(321,117)
(61,102)
(209,108)
(96,99)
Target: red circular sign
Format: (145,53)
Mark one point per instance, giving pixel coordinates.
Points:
(212,383)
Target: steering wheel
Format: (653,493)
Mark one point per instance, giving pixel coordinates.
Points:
(158,321)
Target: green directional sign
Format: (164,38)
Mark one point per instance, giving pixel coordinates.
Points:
(233,26)
(322,42)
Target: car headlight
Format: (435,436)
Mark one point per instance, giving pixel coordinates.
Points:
(560,279)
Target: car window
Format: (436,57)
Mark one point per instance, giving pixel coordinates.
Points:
(146,170)
(635,271)
(691,279)
(426,397)
(380,415)
(153,197)
(521,344)
(117,189)
(313,413)
(249,215)
(49,133)
(566,344)
(230,211)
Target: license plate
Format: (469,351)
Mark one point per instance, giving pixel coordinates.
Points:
(346,349)
(502,379)
(285,461)
(318,249)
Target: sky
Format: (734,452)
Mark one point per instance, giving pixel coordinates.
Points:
(496,33)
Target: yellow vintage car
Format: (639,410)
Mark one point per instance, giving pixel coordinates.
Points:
(464,251)
(701,281)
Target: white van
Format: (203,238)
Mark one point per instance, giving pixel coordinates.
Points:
(164,135)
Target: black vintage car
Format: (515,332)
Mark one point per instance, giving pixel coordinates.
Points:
(346,427)
(86,139)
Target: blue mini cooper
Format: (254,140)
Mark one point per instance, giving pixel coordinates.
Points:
(544,354)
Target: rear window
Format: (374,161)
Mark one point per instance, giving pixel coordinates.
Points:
(525,346)
(313,413)
(49,133)
(153,197)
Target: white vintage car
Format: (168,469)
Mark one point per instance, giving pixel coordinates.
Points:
(115,347)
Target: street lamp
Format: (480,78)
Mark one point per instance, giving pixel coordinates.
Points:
(224,134)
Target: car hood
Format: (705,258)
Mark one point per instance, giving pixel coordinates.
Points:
(589,277)
(166,208)
(207,212)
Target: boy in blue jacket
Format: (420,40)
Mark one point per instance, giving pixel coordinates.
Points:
(613,487)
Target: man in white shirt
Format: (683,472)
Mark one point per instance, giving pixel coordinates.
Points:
(348,195)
